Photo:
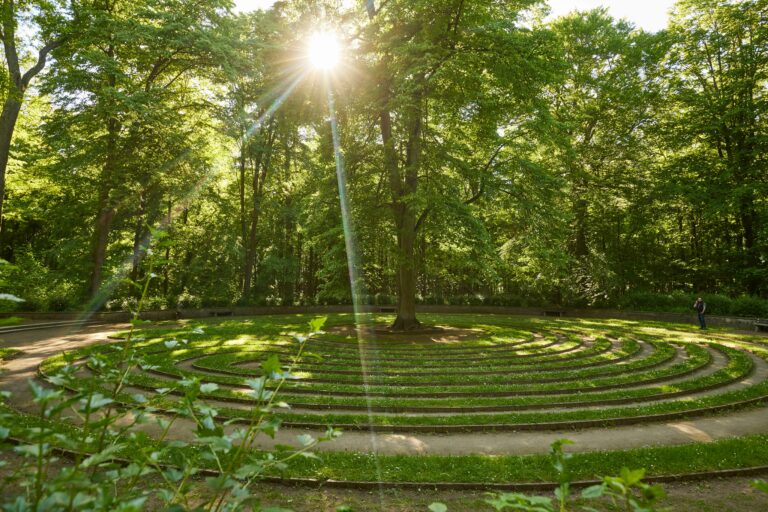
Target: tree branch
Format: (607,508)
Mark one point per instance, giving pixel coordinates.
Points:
(487,166)
(42,57)
(422,218)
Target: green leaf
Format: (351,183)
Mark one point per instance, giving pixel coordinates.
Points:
(305,440)
(257,386)
(103,456)
(271,365)
(438,507)
(592,492)
(209,387)
(317,324)
(631,477)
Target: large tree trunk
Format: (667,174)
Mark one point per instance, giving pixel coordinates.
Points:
(406,290)
(405,219)
(8,118)
(106,211)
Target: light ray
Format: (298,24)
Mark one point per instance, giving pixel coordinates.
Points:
(187,198)
(363,323)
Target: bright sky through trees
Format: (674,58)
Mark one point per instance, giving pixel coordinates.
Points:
(650,14)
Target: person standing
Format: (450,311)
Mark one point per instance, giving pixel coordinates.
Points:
(701,307)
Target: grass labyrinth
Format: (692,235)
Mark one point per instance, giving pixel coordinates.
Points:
(479,374)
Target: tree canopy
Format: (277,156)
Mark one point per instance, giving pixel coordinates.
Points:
(490,154)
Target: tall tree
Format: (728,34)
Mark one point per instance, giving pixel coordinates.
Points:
(124,91)
(47,16)
(413,43)
(601,102)
(718,74)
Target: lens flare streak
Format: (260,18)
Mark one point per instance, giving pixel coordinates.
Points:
(363,322)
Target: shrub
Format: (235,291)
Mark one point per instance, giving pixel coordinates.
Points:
(58,302)
(214,302)
(716,304)
(750,306)
(155,303)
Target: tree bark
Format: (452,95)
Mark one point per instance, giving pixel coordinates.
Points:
(102,229)
(106,211)
(406,291)
(8,118)
(407,225)
(260,172)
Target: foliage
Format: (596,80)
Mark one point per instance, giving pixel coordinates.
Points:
(112,457)
(627,490)
(568,163)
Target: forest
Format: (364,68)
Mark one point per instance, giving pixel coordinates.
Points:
(486,153)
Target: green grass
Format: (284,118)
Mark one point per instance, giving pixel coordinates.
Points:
(11,320)
(230,341)
(730,453)
(253,339)
(741,452)
(7,353)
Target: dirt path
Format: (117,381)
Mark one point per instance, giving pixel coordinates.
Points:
(38,345)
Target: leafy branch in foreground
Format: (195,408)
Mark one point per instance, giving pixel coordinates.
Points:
(627,490)
(115,450)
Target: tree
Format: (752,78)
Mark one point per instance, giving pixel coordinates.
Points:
(123,91)
(48,19)
(718,67)
(413,43)
(602,103)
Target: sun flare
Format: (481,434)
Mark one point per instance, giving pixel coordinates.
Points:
(323,50)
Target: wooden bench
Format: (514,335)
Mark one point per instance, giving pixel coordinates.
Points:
(554,312)
(761,325)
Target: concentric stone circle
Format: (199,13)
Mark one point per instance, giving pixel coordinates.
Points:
(496,374)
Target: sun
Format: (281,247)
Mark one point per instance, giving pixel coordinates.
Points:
(323,50)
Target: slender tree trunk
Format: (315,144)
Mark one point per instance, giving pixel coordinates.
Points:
(167,264)
(138,235)
(260,172)
(243,221)
(188,256)
(102,229)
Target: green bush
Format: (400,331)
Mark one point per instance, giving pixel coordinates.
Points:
(645,301)
(215,302)
(383,299)
(58,302)
(155,304)
(716,304)
(750,306)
